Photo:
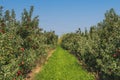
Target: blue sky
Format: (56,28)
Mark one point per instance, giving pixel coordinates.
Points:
(65,15)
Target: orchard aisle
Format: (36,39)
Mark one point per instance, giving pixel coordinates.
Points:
(63,66)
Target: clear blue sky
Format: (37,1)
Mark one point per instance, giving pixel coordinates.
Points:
(65,15)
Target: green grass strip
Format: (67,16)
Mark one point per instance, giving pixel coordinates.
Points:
(63,66)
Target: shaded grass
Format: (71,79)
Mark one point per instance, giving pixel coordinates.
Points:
(63,66)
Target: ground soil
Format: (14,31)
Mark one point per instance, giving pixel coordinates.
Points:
(38,67)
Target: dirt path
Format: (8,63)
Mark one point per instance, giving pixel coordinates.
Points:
(38,68)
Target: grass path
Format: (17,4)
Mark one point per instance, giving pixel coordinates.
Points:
(63,66)
(38,67)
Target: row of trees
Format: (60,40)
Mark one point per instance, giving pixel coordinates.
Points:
(99,48)
(22,43)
